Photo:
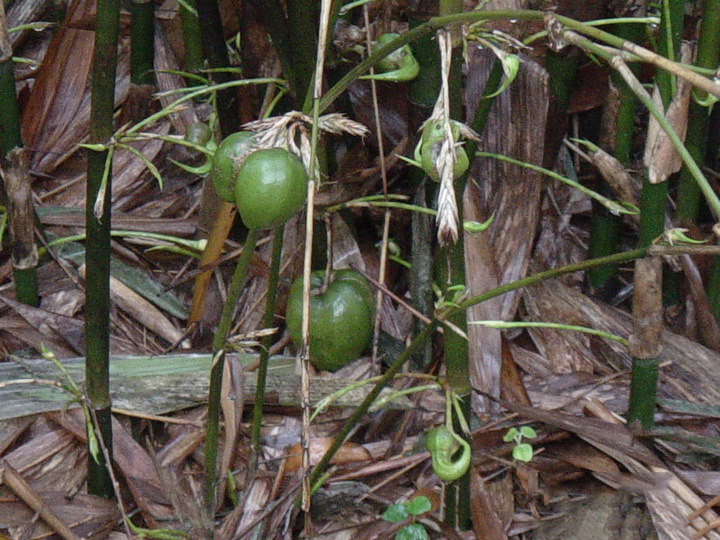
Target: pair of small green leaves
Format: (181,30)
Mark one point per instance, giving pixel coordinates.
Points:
(405,510)
(522,451)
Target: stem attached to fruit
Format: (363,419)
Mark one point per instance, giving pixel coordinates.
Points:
(221,334)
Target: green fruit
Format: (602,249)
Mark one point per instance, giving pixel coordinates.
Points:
(198,133)
(341,317)
(271,186)
(434,131)
(429,154)
(234,148)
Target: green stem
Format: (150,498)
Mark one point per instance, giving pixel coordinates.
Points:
(606,227)
(557,326)
(142,40)
(16,192)
(643,391)
(302,25)
(192,38)
(216,52)
(277,26)
(646,299)
(457,495)
(708,53)
(216,372)
(268,321)
(97,248)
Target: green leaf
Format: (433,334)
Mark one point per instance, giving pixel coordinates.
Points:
(395,513)
(417,505)
(528,432)
(414,531)
(199,171)
(510,435)
(523,452)
(510,65)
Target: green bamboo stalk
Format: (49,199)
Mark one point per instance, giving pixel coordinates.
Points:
(17,179)
(142,42)
(216,372)
(268,321)
(192,38)
(277,26)
(429,329)
(10,136)
(457,494)
(696,139)
(97,244)
(424,89)
(422,92)
(647,298)
(606,227)
(302,24)
(708,53)
(213,40)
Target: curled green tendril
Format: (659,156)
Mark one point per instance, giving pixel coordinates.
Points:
(399,66)
(442,445)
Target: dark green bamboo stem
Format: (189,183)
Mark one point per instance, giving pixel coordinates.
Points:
(216,52)
(606,228)
(647,296)
(302,25)
(643,391)
(216,372)
(424,89)
(422,92)
(689,194)
(97,244)
(10,136)
(192,39)
(277,26)
(457,494)
(17,193)
(697,134)
(142,41)
(268,321)
(428,331)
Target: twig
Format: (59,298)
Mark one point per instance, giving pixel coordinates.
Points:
(17,484)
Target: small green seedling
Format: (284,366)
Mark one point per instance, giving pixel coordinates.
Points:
(522,451)
(409,510)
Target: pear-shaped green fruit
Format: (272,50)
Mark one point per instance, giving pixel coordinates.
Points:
(430,154)
(341,317)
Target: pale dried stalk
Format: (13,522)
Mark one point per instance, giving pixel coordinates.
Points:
(447,216)
(383,174)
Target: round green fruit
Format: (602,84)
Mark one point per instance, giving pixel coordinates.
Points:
(271,186)
(233,148)
(341,317)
